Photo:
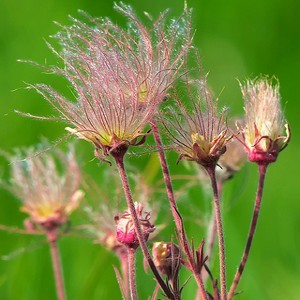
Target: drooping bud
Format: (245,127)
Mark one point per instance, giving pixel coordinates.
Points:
(125,228)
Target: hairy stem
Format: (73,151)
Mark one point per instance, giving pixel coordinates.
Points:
(131,272)
(262,172)
(212,231)
(176,215)
(220,232)
(211,239)
(120,165)
(59,282)
(123,257)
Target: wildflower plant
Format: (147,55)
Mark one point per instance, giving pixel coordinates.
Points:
(126,84)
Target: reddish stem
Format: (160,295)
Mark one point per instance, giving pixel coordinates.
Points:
(119,158)
(131,272)
(123,256)
(262,172)
(218,216)
(211,237)
(52,239)
(176,215)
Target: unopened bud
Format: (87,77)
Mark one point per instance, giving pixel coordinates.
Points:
(125,230)
(166,258)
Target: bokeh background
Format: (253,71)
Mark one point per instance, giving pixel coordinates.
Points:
(236,40)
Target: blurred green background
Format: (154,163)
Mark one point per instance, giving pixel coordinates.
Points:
(236,39)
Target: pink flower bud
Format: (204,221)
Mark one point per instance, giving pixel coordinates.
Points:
(125,229)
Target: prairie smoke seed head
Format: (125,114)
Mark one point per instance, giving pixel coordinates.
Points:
(118,77)
(125,229)
(263,133)
(48,185)
(198,133)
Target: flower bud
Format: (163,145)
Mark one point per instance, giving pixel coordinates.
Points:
(125,230)
(166,258)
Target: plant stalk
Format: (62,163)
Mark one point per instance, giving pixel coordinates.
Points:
(211,236)
(220,232)
(176,215)
(59,282)
(262,172)
(120,165)
(123,257)
(131,272)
